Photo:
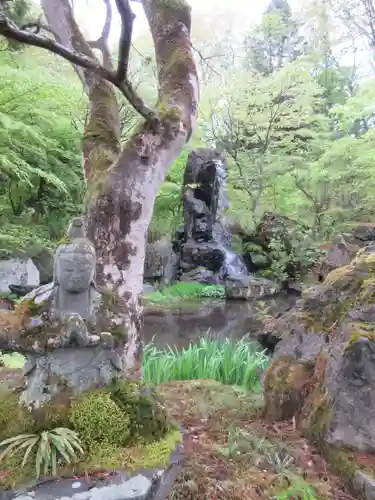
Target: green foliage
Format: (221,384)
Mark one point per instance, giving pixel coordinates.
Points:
(45,449)
(298,489)
(295,123)
(295,259)
(186,290)
(8,296)
(19,12)
(123,425)
(233,363)
(97,418)
(13,361)
(167,209)
(275,41)
(40,167)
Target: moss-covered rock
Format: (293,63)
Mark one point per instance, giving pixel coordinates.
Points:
(285,387)
(328,340)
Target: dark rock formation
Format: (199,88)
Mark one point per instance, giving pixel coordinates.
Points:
(42,258)
(364,232)
(149,484)
(323,369)
(204,242)
(160,262)
(21,290)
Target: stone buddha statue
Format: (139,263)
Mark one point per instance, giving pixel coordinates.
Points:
(65,326)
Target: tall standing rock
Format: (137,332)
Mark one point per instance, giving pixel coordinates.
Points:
(205,242)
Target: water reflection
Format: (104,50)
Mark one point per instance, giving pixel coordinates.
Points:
(220,319)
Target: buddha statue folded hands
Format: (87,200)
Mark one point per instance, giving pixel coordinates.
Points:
(71,332)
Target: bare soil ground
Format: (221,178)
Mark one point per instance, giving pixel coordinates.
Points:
(231,454)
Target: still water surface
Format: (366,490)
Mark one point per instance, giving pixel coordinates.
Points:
(183,325)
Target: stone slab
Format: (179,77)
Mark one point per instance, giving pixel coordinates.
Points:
(17,272)
(364,485)
(153,484)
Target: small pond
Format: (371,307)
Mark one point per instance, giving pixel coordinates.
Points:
(184,323)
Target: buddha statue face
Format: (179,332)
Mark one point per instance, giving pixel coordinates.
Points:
(75,267)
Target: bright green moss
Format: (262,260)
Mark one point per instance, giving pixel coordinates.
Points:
(96,419)
(14,418)
(155,454)
(122,426)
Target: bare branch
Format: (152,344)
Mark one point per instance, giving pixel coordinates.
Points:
(102,42)
(127,18)
(205,59)
(12,31)
(108,21)
(147,60)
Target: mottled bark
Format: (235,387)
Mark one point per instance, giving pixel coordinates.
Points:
(101,137)
(120,215)
(122,185)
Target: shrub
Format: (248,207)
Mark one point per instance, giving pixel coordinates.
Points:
(303,254)
(97,418)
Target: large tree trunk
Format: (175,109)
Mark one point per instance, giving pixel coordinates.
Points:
(101,137)
(122,185)
(121,212)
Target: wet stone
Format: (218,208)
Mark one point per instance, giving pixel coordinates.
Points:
(364,485)
(138,487)
(151,484)
(204,242)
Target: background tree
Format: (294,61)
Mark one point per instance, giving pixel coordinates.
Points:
(276,41)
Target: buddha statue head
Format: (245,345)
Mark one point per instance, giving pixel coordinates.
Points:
(75,260)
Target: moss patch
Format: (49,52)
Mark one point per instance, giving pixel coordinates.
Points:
(318,411)
(125,425)
(286,384)
(98,419)
(153,454)
(360,330)
(174,294)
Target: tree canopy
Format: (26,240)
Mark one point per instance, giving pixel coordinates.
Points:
(293,112)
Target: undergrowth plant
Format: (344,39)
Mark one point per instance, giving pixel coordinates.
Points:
(298,489)
(185,290)
(12,361)
(230,362)
(51,447)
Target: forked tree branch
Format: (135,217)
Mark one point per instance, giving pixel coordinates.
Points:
(10,30)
